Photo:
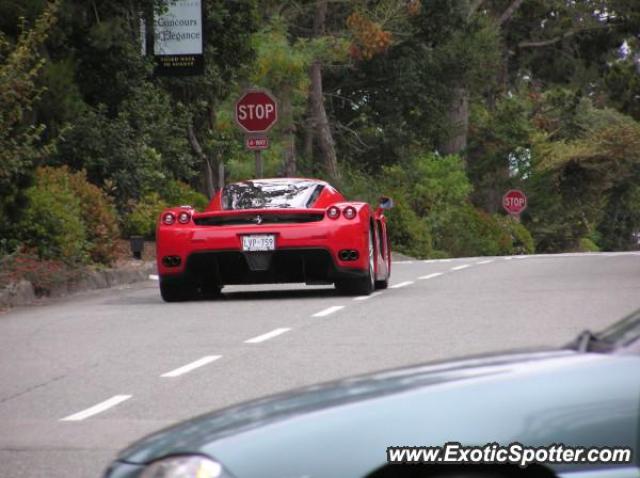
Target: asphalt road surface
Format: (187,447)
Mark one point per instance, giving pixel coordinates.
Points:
(81,378)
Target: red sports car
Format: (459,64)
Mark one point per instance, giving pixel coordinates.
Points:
(273,231)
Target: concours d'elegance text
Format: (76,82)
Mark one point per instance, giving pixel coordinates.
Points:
(514,454)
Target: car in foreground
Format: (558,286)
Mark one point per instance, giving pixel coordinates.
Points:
(273,231)
(584,395)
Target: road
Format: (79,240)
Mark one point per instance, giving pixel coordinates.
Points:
(80,378)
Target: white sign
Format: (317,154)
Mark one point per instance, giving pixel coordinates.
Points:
(179,30)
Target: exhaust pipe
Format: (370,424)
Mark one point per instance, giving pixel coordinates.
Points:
(348,255)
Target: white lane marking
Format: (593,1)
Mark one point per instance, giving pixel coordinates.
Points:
(430,276)
(431,261)
(403,262)
(401,284)
(508,258)
(485,262)
(154,277)
(267,336)
(459,268)
(328,310)
(365,297)
(100,407)
(522,257)
(191,366)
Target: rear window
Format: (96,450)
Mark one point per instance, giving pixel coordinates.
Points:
(270,194)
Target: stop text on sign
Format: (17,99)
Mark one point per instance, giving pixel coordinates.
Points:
(251,112)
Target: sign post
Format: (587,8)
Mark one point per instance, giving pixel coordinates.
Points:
(256,112)
(514,202)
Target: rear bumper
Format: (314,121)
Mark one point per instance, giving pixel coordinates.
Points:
(304,253)
(311,266)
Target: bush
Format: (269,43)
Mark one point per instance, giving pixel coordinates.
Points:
(470,232)
(177,193)
(428,192)
(521,239)
(68,218)
(99,217)
(587,245)
(408,233)
(52,222)
(143,217)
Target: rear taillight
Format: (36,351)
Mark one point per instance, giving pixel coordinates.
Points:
(349,212)
(169,218)
(333,212)
(184,217)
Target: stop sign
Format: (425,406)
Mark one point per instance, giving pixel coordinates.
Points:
(514,201)
(256,111)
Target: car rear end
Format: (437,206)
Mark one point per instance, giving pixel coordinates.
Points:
(313,245)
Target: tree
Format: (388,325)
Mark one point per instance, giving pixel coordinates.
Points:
(20,137)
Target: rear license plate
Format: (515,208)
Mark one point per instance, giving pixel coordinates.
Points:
(263,242)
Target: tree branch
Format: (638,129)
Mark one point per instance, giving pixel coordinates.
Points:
(508,13)
(474,8)
(559,38)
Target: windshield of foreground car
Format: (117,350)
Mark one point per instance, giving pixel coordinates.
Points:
(269,194)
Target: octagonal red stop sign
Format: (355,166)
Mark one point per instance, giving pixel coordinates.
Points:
(514,201)
(256,111)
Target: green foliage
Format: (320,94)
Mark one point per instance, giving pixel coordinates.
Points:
(98,215)
(114,155)
(583,181)
(521,239)
(52,223)
(20,137)
(619,227)
(587,245)
(69,219)
(408,232)
(471,232)
(177,193)
(142,219)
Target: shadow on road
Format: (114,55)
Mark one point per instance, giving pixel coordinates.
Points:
(277,294)
(230,296)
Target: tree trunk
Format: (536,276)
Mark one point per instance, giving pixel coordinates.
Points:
(319,117)
(321,123)
(209,172)
(458,119)
(289,167)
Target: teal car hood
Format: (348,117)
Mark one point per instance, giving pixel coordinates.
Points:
(343,428)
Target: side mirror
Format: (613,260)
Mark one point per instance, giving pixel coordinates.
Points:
(386,203)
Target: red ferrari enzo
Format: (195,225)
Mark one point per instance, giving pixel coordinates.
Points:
(273,231)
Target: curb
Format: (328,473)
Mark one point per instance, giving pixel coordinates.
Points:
(22,293)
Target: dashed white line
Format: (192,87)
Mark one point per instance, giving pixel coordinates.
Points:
(459,268)
(191,366)
(430,276)
(365,297)
(401,284)
(100,407)
(508,258)
(267,336)
(154,277)
(431,261)
(328,311)
(485,262)
(403,262)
